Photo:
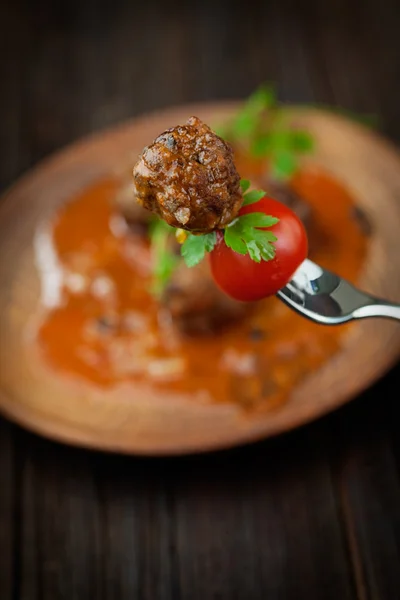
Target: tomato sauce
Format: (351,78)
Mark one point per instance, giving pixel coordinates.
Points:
(104,328)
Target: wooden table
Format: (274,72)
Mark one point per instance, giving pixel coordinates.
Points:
(313,514)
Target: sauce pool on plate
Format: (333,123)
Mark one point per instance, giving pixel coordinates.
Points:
(100,324)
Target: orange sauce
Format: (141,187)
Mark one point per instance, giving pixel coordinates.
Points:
(107,329)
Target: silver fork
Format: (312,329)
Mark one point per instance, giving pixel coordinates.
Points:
(326,298)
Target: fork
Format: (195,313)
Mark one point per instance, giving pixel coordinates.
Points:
(326,298)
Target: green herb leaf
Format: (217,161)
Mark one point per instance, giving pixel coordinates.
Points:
(246,121)
(302,141)
(244,124)
(263,129)
(254,251)
(244,185)
(267,250)
(259,234)
(244,237)
(262,98)
(252,197)
(195,247)
(261,145)
(283,165)
(164,261)
(234,241)
(256,219)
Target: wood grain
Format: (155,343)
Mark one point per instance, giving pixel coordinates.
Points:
(7,510)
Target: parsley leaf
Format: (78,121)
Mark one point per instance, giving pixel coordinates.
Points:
(195,247)
(261,145)
(244,124)
(263,97)
(234,240)
(244,185)
(252,197)
(254,251)
(244,237)
(283,165)
(255,219)
(302,141)
(164,261)
(263,129)
(246,121)
(264,240)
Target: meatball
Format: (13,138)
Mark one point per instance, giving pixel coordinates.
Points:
(187,176)
(197,306)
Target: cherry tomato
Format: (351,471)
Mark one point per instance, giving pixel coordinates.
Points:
(244,279)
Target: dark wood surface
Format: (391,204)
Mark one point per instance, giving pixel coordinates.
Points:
(312,514)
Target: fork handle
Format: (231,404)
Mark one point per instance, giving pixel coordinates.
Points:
(378,308)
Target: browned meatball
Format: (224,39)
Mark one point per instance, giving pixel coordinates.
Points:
(187,176)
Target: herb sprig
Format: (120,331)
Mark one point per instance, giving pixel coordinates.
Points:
(246,234)
(252,196)
(246,122)
(262,129)
(164,259)
(194,248)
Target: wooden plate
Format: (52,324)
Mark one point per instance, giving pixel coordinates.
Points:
(115,420)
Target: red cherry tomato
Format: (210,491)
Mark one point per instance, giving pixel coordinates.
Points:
(244,279)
